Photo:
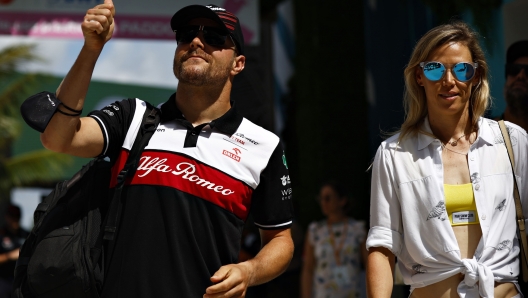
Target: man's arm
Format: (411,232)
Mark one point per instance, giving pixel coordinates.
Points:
(72,134)
(380,268)
(11,255)
(273,259)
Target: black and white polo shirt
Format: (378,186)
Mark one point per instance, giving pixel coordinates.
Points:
(186,205)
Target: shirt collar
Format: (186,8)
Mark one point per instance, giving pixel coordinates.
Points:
(485,133)
(423,139)
(227,123)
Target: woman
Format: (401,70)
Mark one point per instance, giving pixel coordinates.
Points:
(334,249)
(442,188)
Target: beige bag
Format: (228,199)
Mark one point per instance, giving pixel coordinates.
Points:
(518,207)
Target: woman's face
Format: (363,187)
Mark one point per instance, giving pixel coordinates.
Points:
(447,96)
(330,201)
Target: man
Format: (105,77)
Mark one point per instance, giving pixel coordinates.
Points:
(203,170)
(516,94)
(516,86)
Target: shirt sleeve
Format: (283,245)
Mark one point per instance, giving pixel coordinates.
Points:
(114,121)
(385,211)
(272,206)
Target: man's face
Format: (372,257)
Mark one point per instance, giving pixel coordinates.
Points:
(198,63)
(516,90)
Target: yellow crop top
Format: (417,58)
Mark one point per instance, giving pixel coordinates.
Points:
(460,204)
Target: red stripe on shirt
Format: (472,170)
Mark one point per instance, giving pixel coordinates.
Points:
(190,176)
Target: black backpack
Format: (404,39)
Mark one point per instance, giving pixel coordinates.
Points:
(63,255)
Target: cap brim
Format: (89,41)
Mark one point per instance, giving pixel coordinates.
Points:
(184,15)
(517,50)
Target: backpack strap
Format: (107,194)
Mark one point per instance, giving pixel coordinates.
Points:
(150,122)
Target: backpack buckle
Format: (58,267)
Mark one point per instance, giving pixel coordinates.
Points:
(121,176)
(109,233)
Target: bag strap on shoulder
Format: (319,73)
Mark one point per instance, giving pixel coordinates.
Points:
(151,119)
(517,198)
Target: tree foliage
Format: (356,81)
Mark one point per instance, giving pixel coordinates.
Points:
(40,166)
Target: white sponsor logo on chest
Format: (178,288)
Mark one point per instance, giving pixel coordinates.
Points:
(184,169)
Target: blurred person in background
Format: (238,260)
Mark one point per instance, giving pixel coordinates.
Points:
(442,187)
(12,236)
(516,93)
(516,86)
(334,249)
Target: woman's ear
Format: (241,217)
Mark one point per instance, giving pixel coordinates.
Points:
(419,76)
(476,81)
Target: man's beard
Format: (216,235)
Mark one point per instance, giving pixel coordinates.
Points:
(213,75)
(517,101)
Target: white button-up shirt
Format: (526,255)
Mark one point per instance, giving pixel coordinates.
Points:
(408,216)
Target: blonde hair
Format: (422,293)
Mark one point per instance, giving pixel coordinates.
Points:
(415,103)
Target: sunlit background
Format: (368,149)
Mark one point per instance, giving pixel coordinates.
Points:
(326,76)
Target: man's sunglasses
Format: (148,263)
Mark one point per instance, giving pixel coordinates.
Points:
(463,71)
(213,36)
(515,69)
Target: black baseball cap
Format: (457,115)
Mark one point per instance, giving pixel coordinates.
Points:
(224,18)
(516,50)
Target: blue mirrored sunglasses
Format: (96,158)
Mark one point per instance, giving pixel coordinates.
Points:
(463,71)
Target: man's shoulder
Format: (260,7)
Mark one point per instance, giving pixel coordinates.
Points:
(255,134)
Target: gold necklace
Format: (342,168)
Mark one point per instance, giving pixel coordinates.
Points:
(444,147)
(455,142)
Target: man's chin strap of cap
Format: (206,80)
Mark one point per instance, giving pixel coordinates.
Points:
(476,272)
